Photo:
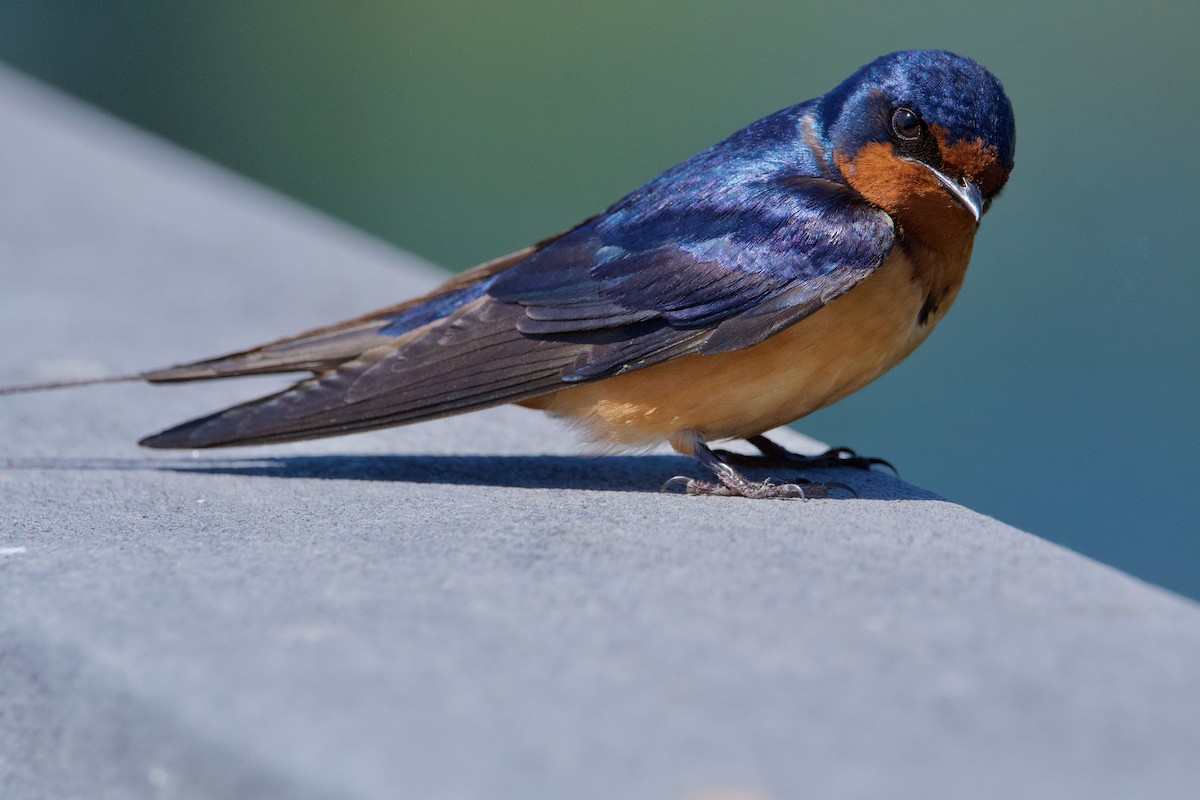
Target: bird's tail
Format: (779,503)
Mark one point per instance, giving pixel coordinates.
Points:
(318,350)
(70,384)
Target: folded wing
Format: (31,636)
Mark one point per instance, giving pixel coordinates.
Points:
(649,281)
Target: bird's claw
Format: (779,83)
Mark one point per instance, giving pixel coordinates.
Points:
(773,455)
(678,480)
(845,457)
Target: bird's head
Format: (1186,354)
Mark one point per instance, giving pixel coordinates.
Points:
(924,134)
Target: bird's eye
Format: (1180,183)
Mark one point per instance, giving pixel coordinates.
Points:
(906,124)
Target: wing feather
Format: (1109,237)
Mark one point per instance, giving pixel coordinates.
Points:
(325,348)
(423,376)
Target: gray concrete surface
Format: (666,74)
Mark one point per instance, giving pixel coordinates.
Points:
(471,608)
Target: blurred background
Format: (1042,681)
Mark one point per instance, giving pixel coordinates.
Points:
(1060,395)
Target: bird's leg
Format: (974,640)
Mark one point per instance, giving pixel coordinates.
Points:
(775,455)
(731,483)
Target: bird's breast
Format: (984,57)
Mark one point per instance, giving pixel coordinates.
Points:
(819,360)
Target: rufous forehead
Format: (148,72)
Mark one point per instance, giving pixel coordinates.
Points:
(972,159)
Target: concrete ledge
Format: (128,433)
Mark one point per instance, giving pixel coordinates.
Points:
(469,608)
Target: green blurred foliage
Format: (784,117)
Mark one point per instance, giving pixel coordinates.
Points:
(1060,393)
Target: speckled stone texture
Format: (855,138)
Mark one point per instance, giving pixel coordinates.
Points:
(470,608)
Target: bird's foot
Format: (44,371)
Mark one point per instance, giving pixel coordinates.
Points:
(731,483)
(773,455)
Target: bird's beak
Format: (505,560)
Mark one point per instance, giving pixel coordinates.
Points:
(962,190)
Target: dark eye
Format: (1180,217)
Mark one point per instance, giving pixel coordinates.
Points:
(906,124)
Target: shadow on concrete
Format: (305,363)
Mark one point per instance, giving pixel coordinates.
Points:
(632,473)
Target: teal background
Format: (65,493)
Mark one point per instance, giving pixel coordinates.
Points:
(1060,394)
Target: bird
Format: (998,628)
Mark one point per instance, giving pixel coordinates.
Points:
(767,277)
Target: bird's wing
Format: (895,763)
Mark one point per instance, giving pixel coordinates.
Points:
(709,278)
(639,285)
(322,350)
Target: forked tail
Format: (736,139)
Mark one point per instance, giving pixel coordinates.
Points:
(48,385)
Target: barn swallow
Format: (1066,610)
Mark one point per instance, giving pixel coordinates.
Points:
(765,278)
